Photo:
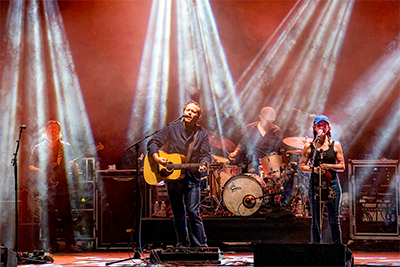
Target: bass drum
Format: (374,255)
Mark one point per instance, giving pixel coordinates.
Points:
(243,194)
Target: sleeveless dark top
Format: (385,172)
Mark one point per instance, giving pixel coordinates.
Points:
(326,156)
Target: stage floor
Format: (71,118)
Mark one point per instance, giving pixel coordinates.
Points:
(229,259)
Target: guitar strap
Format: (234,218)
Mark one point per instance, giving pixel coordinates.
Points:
(60,153)
(190,147)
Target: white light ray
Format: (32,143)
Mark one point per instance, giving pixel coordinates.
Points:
(322,24)
(202,66)
(199,45)
(274,53)
(149,109)
(35,70)
(71,107)
(375,86)
(8,116)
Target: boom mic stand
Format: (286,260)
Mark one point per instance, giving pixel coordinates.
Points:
(137,221)
(15,164)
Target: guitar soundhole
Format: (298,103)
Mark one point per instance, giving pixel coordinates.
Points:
(167,171)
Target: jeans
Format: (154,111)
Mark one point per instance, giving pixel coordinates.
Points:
(185,199)
(333,215)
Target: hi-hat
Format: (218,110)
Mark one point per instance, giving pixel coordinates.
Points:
(297,142)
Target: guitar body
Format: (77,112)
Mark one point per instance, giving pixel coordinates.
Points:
(154,173)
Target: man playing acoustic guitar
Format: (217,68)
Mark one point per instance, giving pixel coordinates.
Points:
(187,138)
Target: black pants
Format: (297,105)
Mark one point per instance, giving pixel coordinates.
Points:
(57,207)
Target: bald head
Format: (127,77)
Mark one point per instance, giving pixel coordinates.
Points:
(268,114)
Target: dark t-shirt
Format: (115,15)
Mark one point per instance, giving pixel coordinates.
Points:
(254,146)
(54,163)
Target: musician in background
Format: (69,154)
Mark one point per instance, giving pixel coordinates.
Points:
(50,166)
(260,139)
(185,137)
(328,161)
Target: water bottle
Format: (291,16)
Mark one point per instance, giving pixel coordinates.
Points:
(156,209)
(261,172)
(163,209)
(299,207)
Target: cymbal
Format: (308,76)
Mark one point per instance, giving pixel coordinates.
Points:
(298,152)
(297,142)
(220,159)
(222,143)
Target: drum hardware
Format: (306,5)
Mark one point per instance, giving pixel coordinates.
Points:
(215,202)
(216,181)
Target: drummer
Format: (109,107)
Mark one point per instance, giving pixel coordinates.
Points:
(261,138)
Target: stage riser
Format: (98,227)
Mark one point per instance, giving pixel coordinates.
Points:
(285,230)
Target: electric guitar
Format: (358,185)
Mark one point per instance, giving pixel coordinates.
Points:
(154,173)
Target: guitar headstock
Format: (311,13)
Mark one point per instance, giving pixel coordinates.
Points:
(92,150)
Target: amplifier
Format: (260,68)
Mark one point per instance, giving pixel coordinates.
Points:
(201,254)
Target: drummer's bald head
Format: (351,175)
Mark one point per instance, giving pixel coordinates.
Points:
(268,114)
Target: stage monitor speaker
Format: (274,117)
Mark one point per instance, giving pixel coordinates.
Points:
(302,255)
(116,197)
(8,257)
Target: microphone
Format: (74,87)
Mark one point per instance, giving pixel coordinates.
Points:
(185,116)
(320,131)
(23,127)
(249,201)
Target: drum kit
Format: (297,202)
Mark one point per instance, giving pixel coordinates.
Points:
(243,194)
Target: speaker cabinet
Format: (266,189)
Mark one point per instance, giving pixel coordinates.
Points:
(8,257)
(374,199)
(302,255)
(116,210)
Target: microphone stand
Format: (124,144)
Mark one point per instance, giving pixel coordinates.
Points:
(15,164)
(314,196)
(136,224)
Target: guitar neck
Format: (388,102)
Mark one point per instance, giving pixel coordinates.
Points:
(184,165)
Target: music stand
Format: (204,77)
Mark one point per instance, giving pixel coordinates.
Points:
(137,224)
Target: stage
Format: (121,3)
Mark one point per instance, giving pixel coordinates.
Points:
(229,258)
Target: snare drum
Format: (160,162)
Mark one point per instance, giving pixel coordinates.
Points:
(243,194)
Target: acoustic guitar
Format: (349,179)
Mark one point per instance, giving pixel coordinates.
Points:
(155,173)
